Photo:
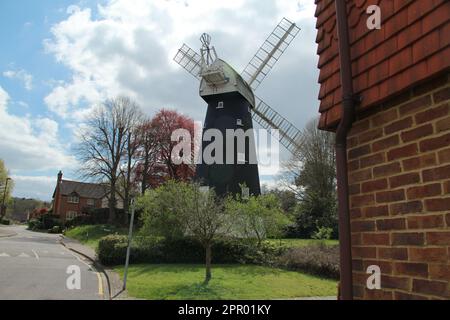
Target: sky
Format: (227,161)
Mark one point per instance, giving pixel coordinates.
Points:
(61,58)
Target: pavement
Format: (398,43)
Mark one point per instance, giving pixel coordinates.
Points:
(113,281)
(35,266)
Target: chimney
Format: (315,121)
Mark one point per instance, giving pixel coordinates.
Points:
(60,174)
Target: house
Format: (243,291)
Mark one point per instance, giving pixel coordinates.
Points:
(391,86)
(73,198)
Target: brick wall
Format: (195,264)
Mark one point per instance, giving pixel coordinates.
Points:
(399,177)
(65,206)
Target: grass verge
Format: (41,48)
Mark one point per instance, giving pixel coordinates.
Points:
(177,281)
(296,243)
(90,235)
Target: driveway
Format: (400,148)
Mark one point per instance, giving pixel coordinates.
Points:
(35,266)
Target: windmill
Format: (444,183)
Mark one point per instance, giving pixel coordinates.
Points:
(232,105)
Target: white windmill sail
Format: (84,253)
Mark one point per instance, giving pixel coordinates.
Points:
(190,60)
(269,53)
(268,118)
(255,72)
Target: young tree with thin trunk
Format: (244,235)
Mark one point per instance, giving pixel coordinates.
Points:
(104,140)
(180,209)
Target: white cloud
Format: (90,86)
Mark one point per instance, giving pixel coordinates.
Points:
(28,143)
(21,75)
(38,187)
(121,49)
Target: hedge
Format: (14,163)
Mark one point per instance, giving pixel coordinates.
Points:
(44,222)
(94,216)
(112,250)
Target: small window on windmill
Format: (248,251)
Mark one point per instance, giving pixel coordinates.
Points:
(219,105)
(245,193)
(239,122)
(241,157)
(249,110)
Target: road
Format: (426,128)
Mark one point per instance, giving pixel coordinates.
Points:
(34,266)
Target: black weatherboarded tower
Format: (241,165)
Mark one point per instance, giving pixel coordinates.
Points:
(230,100)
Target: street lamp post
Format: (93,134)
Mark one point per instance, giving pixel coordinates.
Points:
(3,211)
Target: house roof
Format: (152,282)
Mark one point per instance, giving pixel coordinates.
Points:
(83,189)
(412,45)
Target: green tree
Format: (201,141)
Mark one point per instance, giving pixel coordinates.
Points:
(178,209)
(6,187)
(312,176)
(257,217)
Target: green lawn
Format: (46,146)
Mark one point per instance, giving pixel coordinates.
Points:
(90,235)
(176,281)
(292,243)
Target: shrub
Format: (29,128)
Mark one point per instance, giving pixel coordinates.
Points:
(44,222)
(323,233)
(55,229)
(79,221)
(35,224)
(93,217)
(5,222)
(112,251)
(320,259)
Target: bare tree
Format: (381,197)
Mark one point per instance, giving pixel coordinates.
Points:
(132,145)
(148,153)
(313,165)
(104,142)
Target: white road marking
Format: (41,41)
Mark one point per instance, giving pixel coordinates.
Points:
(23,255)
(4,255)
(35,254)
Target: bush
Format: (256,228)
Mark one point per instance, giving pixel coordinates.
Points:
(323,233)
(5,222)
(79,221)
(35,224)
(55,229)
(44,222)
(94,217)
(320,259)
(112,251)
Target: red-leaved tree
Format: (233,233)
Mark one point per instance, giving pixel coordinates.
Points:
(156,164)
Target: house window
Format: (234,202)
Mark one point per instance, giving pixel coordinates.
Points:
(71,215)
(219,105)
(73,199)
(90,202)
(239,122)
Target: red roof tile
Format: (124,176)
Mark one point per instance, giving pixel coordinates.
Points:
(412,45)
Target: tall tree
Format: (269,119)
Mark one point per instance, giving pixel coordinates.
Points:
(166,122)
(131,157)
(104,142)
(6,187)
(311,174)
(156,165)
(148,153)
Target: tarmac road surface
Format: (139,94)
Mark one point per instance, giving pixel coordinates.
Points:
(34,266)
